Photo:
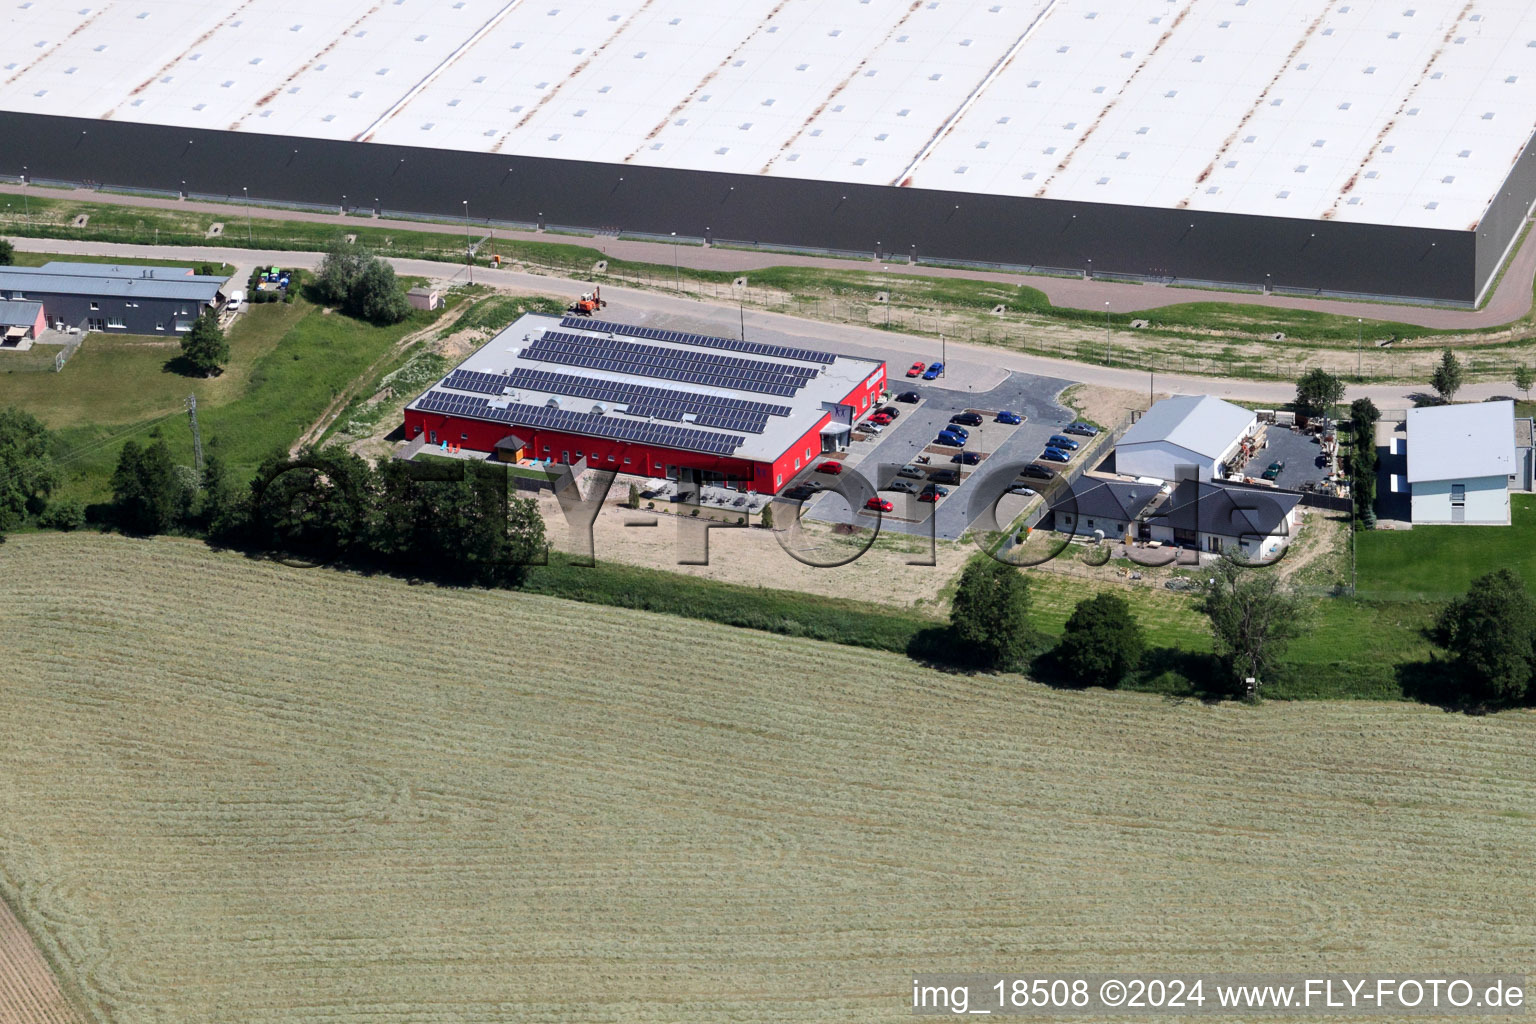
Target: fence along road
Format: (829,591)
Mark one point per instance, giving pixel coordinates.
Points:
(630,304)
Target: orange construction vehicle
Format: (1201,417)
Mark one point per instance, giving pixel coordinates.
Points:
(588,305)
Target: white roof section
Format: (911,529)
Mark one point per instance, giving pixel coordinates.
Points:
(1459,442)
(505,353)
(1408,113)
(1198,423)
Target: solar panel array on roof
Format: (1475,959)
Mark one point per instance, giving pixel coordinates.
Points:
(633,357)
(658,403)
(638,399)
(663,435)
(475,380)
(805,355)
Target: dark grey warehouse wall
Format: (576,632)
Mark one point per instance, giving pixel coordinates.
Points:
(1309,254)
(1506,214)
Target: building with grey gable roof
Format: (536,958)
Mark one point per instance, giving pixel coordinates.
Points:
(1091,504)
(111,297)
(1215,517)
(1186,435)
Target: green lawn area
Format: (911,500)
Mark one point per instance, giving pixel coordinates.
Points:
(288,363)
(1169,619)
(1301,323)
(129,378)
(1439,562)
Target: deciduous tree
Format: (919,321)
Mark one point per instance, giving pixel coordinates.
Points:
(1253,618)
(1525,379)
(1317,392)
(1491,636)
(1448,376)
(27,471)
(377,296)
(990,613)
(339,271)
(148,495)
(1103,643)
(205,346)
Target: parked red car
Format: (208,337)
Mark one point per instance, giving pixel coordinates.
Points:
(916,369)
(879,505)
(830,467)
(880,418)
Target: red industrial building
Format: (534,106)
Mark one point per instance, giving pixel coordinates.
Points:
(649,401)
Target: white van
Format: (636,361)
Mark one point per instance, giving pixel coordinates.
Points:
(236,300)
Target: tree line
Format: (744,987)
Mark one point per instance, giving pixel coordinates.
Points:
(453,521)
(1487,638)
(1252,618)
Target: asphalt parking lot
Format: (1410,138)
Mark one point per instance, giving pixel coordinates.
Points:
(1299,452)
(967,384)
(1031,396)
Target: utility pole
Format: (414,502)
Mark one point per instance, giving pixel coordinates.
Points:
(197,436)
(677,280)
(1359,336)
(1106,334)
(943,355)
(247,190)
(742,309)
(468,266)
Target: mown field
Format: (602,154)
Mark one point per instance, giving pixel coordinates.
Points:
(29,992)
(239,792)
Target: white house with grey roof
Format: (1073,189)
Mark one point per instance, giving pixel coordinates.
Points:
(1186,436)
(1461,459)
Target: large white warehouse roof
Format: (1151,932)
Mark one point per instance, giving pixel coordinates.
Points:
(1407,113)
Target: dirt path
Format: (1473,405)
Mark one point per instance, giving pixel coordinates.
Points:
(339,405)
(29,993)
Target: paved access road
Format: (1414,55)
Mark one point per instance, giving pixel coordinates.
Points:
(632,305)
(1510,301)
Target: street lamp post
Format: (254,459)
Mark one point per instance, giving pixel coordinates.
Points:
(26,201)
(247,190)
(677,279)
(943,355)
(1359,339)
(1106,334)
(469,269)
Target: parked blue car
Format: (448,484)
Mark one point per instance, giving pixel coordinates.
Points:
(1066,444)
(957,431)
(1008,416)
(1055,455)
(950,440)
(932,373)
